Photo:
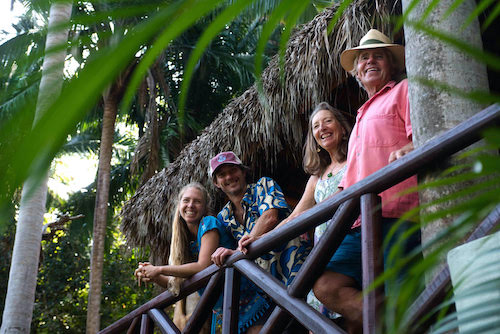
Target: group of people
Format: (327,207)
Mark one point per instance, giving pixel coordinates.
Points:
(336,156)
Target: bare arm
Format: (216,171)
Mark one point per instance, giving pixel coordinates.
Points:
(306,202)
(159,274)
(401,152)
(266,222)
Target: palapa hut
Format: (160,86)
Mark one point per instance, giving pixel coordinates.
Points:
(267,137)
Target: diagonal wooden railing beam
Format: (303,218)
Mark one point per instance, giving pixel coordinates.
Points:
(164,299)
(205,305)
(316,262)
(133,326)
(297,307)
(162,321)
(422,311)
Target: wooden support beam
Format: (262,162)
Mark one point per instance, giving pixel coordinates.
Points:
(316,262)
(372,260)
(298,308)
(164,299)
(204,307)
(277,322)
(133,326)
(422,311)
(231,305)
(162,321)
(147,326)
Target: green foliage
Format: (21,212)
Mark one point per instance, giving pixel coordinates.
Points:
(60,301)
(223,71)
(61,298)
(120,292)
(204,39)
(147,38)
(471,205)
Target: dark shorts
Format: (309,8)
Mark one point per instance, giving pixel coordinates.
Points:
(347,258)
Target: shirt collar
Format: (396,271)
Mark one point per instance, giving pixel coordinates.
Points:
(246,199)
(388,86)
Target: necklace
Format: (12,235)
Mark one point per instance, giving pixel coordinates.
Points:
(334,170)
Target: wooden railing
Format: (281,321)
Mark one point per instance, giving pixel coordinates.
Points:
(342,209)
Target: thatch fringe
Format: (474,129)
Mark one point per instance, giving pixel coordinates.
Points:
(256,131)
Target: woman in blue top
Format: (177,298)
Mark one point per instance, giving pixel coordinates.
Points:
(194,238)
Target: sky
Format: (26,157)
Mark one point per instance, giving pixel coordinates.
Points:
(72,173)
(7,17)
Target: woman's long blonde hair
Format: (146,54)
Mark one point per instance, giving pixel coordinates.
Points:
(179,245)
(315,162)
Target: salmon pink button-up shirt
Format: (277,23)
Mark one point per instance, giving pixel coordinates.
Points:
(382,126)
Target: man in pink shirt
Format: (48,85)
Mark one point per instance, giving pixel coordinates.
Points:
(382,134)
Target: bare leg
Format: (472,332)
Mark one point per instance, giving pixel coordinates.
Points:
(339,293)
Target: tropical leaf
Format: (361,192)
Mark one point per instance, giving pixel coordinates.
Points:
(212,30)
(481,96)
(491,17)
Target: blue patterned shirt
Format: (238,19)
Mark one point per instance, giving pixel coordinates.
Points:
(252,305)
(259,197)
(285,260)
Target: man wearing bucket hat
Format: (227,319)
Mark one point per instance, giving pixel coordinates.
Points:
(382,134)
(254,209)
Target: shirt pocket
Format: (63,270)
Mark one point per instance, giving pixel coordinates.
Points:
(383,130)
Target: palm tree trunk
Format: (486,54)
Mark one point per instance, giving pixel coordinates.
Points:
(26,253)
(100,214)
(434,110)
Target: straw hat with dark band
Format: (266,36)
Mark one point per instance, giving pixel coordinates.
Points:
(373,39)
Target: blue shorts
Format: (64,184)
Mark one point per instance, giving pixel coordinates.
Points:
(347,258)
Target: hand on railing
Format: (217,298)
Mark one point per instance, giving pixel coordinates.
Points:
(245,241)
(219,256)
(146,272)
(395,155)
(139,272)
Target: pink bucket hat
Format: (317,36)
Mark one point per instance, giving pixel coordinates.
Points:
(222,159)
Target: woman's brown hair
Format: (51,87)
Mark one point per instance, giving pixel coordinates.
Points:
(315,162)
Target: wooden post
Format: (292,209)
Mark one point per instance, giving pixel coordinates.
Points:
(297,307)
(231,304)
(372,260)
(133,326)
(316,262)
(205,305)
(147,326)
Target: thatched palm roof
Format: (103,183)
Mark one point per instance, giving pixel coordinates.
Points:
(257,132)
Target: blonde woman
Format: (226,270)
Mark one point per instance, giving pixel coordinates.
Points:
(195,236)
